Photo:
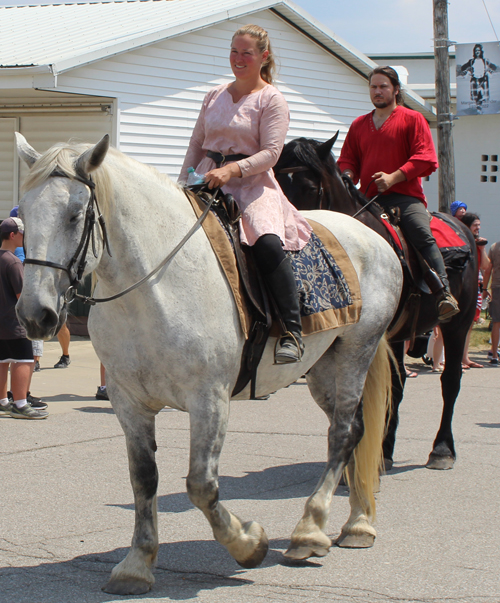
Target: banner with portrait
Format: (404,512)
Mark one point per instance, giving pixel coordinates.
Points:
(478,78)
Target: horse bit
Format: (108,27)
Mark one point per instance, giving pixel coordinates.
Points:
(88,235)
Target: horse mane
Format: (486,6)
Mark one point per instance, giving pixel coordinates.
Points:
(304,150)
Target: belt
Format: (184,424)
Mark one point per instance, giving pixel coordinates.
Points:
(219,158)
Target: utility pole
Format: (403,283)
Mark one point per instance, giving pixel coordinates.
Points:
(446,155)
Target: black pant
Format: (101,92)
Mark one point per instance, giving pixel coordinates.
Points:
(416,225)
(268,253)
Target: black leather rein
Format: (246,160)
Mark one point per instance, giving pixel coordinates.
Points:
(88,235)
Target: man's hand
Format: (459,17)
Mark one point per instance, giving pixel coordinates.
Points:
(384,181)
(221,176)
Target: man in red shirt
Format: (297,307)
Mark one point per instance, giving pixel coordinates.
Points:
(388,151)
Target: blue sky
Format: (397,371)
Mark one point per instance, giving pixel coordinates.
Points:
(376,26)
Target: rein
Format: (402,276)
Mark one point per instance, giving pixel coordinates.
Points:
(88,234)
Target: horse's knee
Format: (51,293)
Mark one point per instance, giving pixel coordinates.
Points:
(203,494)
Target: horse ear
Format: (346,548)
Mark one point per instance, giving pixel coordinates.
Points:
(25,151)
(92,159)
(325,148)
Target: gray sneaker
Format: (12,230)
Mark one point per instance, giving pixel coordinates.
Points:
(27,412)
(5,410)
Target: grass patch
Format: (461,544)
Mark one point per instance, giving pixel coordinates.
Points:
(480,336)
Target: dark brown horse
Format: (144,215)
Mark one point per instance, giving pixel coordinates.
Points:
(311,179)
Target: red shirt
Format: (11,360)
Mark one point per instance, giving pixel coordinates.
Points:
(403,142)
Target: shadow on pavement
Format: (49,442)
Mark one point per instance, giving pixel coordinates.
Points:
(68,398)
(404,469)
(183,570)
(273,483)
(489,425)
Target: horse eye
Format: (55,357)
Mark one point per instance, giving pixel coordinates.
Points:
(74,219)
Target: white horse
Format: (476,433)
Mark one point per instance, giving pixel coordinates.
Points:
(176,341)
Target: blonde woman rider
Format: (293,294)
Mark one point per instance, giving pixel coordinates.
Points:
(237,140)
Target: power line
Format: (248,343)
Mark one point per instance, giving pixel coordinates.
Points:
(492,26)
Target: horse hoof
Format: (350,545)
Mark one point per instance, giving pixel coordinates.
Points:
(300,553)
(127,587)
(388,464)
(254,533)
(441,463)
(355,541)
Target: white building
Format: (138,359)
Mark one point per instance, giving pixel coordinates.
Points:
(476,140)
(139,71)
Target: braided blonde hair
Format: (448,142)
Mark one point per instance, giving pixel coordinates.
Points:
(268,70)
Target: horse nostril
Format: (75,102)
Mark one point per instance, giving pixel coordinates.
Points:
(48,319)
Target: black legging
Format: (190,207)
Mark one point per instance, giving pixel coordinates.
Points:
(268,253)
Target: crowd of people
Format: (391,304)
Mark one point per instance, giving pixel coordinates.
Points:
(237,140)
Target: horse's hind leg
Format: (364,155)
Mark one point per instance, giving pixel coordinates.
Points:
(336,383)
(398,384)
(133,575)
(246,542)
(358,531)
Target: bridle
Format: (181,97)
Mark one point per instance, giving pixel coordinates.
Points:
(304,168)
(88,235)
(76,265)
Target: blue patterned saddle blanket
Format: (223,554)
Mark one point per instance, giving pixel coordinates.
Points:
(321,284)
(327,284)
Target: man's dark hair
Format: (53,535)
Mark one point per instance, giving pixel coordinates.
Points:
(4,235)
(468,218)
(392,74)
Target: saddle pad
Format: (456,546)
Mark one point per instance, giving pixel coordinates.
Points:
(339,299)
(454,246)
(445,234)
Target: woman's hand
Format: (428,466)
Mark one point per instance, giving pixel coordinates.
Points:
(221,176)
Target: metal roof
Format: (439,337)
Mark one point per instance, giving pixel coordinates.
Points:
(55,38)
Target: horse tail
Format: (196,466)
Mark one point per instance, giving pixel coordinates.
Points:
(368,454)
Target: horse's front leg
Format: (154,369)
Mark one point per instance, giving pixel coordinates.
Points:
(133,575)
(246,542)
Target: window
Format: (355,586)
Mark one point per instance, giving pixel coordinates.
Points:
(489,168)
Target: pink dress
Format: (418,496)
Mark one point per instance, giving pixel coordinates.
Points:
(256,126)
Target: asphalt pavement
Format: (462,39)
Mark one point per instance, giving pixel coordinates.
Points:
(67,507)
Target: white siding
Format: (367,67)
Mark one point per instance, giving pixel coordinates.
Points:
(8,166)
(42,133)
(160,88)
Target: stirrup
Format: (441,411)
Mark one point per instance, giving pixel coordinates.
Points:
(288,358)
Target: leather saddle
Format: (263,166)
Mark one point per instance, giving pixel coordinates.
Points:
(258,300)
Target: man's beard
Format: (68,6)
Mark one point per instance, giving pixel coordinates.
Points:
(381,104)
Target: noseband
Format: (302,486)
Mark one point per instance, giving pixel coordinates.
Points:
(76,265)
